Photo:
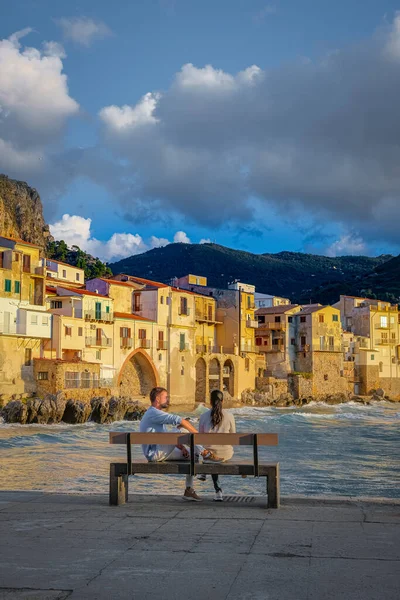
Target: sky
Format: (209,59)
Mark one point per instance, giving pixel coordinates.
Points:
(260,126)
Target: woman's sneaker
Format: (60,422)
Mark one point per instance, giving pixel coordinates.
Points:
(190,494)
(211,457)
(218,496)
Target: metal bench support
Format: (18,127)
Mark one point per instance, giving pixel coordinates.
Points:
(118,485)
(273,487)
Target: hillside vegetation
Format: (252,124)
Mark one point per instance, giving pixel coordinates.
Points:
(289,274)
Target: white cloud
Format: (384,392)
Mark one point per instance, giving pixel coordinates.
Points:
(34,104)
(267,11)
(76,231)
(181,238)
(347,245)
(82,30)
(205,241)
(320,137)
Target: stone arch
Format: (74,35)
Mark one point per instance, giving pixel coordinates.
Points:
(201,380)
(214,375)
(229,377)
(138,375)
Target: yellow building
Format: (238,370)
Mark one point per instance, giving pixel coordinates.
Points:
(375,346)
(60,273)
(24,323)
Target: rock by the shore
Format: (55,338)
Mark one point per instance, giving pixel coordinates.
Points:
(99,408)
(15,412)
(50,409)
(76,411)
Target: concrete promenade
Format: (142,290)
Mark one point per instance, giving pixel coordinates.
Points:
(160,547)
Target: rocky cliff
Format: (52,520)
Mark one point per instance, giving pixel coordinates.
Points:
(21,212)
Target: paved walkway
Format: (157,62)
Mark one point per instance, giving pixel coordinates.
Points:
(77,547)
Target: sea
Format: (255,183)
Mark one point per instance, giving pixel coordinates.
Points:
(342,450)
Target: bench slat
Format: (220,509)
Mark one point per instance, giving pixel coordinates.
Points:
(121,437)
(235,439)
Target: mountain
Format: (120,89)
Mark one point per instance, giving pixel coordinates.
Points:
(21,216)
(289,274)
(382,282)
(21,212)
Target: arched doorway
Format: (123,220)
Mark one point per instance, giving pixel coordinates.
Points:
(201,380)
(138,375)
(229,377)
(214,372)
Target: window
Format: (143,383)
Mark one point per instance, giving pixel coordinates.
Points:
(28,357)
(142,334)
(184,306)
(77,277)
(45,320)
(182,370)
(372,356)
(210,312)
(55,304)
(136,304)
(68,330)
(326,377)
(1,259)
(108,310)
(26,263)
(292,341)
(182,341)
(80,331)
(43,376)
(277,319)
(95,380)
(17,287)
(124,332)
(64,273)
(384,336)
(85,379)
(71,379)
(321,318)
(7,285)
(98,354)
(247,364)
(393,336)
(34,319)
(161,299)
(290,319)
(380,367)
(302,319)
(303,340)
(384,321)
(335,318)
(331,342)
(258,341)
(248,302)
(16,256)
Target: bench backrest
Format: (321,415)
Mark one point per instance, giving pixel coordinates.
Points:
(129,438)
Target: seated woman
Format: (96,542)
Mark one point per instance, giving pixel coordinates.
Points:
(217,420)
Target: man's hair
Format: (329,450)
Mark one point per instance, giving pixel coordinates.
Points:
(156,392)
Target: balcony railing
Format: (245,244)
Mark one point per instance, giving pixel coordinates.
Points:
(126,342)
(249,348)
(144,344)
(205,317)
(162,345)
(103,342)
(271,326)
(252,323)
(380,325)
(96,315)
(184,312)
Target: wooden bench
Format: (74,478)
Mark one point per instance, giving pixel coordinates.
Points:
(120,471)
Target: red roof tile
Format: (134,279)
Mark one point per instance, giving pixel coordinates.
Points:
(19,241)
(81,292)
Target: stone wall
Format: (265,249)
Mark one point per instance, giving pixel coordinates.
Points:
(300,386)
(269,384)
(55,381)
(327,378)
(391,387)
(368,376)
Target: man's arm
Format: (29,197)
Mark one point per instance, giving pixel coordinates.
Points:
(187,425)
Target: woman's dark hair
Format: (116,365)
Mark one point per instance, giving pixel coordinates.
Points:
(217,398)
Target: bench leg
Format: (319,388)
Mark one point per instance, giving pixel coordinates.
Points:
(273,488)
(118,487)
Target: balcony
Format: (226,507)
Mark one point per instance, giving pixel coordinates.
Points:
(126,342)
(103,342)
(252,323)
(271,326)
(184,312)
(144,344)
(381,326)
(276,348)
(97,315)
(205,318)
(162,345)
(250,348)
(183,347)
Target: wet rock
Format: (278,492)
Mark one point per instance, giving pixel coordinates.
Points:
(134,410)
(336,399)
(99,409)
(76,411)
(380,393)
(50,409)
(116,409)
(15,412)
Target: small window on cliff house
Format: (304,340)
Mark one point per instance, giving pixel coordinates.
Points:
(372,356)
(85,379)
(64,273)
(43,376)
(95,380)
(303,340)
(68,331)
(380,367)
(162,299)
(77,277)
(326,377)
(321,318)
(290,319)
(335,318)
(277,319)
(302,319)
(16,256)
(98,354)
(258,341)
(292,341)
(247,364)
(80,331)
(142,334)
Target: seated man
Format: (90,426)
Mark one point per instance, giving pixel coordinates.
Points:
(155,420)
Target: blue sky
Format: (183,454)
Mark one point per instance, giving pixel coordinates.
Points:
(298,153)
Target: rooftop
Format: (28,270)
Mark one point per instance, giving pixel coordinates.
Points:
(276,310)
(19,241)
(120,315)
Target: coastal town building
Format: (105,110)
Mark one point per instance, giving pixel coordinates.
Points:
(25,326)
(60,273)
(374,345)
(268,300)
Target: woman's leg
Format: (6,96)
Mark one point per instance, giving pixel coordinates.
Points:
(216,483)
